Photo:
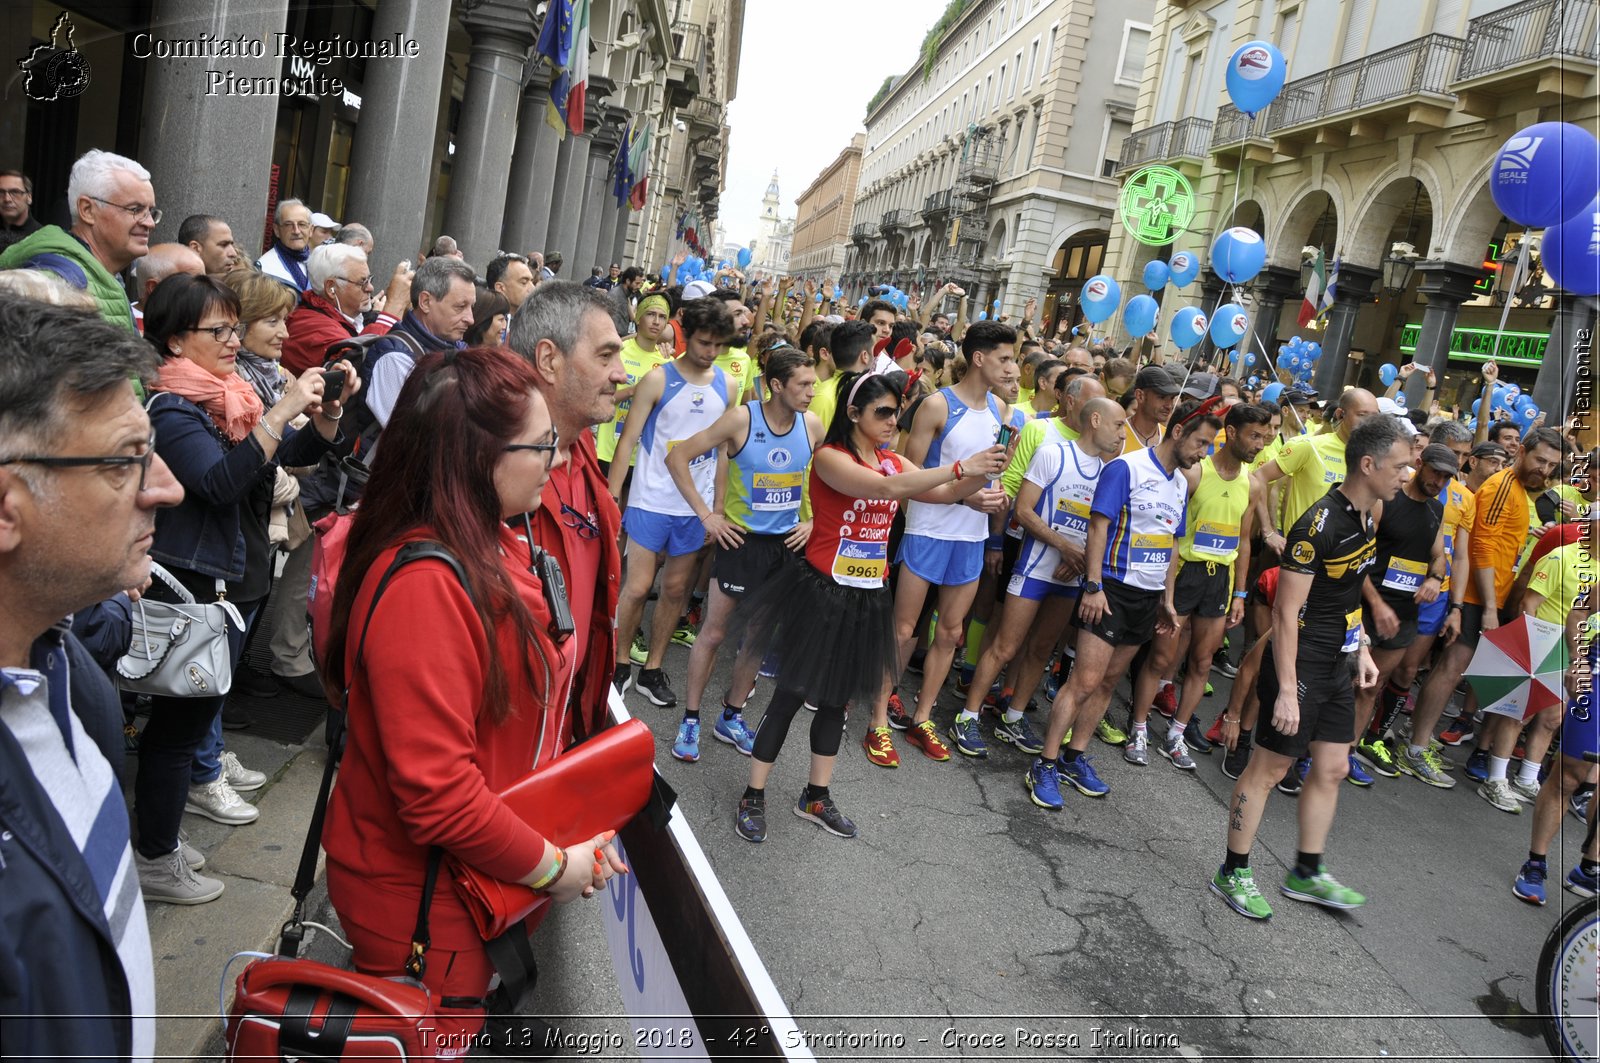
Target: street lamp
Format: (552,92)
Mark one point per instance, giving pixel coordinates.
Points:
(1398,266)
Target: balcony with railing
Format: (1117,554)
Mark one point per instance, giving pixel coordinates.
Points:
(704,116)
(896,220)
(936,205)
(1411,81)
(862,232)
(1187,138)
(1550,46)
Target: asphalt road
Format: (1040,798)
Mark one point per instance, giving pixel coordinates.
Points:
(965,921)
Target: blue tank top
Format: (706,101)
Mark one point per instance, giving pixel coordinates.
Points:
(767,476)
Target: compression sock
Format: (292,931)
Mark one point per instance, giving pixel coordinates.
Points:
(1390,701)
(975,629)
(1232,861)
(1306,865)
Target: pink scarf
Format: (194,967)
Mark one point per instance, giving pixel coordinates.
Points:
(230,400)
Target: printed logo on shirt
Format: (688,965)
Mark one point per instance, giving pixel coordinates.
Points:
(1303,552)
(780,457)
(698,399)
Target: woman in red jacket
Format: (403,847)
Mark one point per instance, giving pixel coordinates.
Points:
(458,692)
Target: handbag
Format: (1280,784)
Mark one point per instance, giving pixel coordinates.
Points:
(179,649)
(596,786)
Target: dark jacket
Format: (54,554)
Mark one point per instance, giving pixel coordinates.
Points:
(57,956)
(394,342)
(11,234)
(316,325)
(203,533)
(106,629)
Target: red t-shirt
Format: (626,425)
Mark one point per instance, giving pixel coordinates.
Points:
(850,536)
(1563,534)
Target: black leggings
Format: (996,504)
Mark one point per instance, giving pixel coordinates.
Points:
(827,727)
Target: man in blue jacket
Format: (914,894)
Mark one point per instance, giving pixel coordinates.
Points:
(79,487)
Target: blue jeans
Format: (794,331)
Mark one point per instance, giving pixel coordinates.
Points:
(207,764)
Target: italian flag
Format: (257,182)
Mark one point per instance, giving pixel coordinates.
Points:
(1311,307)
(564,41)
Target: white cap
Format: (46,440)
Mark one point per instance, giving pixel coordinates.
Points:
(1394,409)
(322,221)
(698,289)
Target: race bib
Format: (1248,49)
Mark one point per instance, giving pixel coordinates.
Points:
(1216,540)
(1072,520)
(775,491)
(859,564)
(1404,575)
(1352,632)
(1148,551)
(709,455)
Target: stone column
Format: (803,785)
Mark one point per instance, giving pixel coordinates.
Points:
(189,138)
(625,216)
(566,201)
(502,35)
(533,166)
(605,246)
(1556,385)
(602,150)
(1446,285)
(392,156)
(1274,286)
(1353,290)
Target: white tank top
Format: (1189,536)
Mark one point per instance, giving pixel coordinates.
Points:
(966,432)
(682,410)
(1066,477)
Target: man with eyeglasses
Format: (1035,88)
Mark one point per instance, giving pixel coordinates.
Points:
(16,203)
(285,260)
(113,214)
(79,488)
(330,312)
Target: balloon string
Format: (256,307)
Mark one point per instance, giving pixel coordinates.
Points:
(1516,275)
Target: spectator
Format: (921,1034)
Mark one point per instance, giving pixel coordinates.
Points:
(443,293)
(222,445)
(613,275)
(356,235)
(445,247)
(113,211)
(323,229)
(625,293)
(291,245)
(163,261)
(16,207)
(536,263)
(510,274)
(341,281)
(595,280)
(212,239)
(490,314)
(552,265)
(44,287)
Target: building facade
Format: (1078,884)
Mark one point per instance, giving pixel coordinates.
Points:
(996,152)
(774,233)
(1376,153)
(412,117)
(822,217)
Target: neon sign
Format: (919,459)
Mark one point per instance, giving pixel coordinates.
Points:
(1157,204)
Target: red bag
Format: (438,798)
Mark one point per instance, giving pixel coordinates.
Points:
(327,554)
(596,786)
(284,1008)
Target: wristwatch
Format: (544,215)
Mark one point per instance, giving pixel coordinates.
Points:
(1091,586)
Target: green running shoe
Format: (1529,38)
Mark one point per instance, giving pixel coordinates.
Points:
(1110,734)
(1321,888)
(639,653)
(684,634)
(1239,890)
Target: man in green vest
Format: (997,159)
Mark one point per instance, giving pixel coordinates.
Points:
(113,213)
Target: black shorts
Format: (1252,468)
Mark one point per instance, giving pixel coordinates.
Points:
(1010,550)
(1327,686)
(1132,619)
(1402,638)
(1204,589)
(1471,625)
(750,564)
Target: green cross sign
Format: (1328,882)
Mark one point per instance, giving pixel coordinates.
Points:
(1157,205)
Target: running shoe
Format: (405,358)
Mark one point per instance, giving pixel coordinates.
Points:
(1321,888)
(825,814)
(1225,668)
(1426,768)
(1238,757)
(683,634)
(1477,766)
(926,738)
(750,820)
(964,732)
(1166,702)
(1528,791)
(964,679)
(653,681)
(1458,733)
(1578,805)
(1110,734)
(687,747)
(1374,753)
(1357,775)
(1043,785)
(769,666)
(1529,883)
(899,718)
(880,747)
(1019,733)
(1197,742)
(622,678)
(1137,751)
(732,730)
(1210,690)
(1173,748)
(1498,793)
(1238,889)
(1214,732)
(1581,883)
(1295,778)
(1081,774)
(639,653)
(1052,685)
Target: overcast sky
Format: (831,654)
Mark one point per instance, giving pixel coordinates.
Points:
(806,72)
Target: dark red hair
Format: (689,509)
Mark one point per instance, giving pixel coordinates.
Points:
(435,469)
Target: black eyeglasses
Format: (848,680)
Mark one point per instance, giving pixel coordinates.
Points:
(364,282)
(584,524)
(125,461)
(220,332)
(134,210)
(547,449)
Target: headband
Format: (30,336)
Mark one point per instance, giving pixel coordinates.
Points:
(850,399)
(648,303)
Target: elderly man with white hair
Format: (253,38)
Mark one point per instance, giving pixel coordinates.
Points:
(340,282)
(286,259)
(113,212)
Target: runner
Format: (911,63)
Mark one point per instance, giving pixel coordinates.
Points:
(735,361)
(1155,390)
(851,344)
(671,403)
(830,620)
(1312,463)
(769,447)
(1137,514)
(641,352)
(1318,654)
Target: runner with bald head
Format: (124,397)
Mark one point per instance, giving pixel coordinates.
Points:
(1312,463)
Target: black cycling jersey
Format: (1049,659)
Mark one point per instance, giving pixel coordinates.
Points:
(1333,543)
(1404,550)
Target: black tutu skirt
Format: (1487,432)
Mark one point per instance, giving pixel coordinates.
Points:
(833,644)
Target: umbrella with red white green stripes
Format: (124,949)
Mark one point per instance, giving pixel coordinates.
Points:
(1518,667)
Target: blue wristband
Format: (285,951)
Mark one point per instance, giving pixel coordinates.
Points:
(996,542)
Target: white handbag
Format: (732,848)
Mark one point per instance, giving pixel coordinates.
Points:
(179,650)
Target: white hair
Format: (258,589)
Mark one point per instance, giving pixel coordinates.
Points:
(277,215)
(94,174)
(329,260)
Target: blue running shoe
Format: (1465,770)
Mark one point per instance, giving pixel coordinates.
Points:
(1043,786)
(1019,734)
(1578,805)
(1529,884)
(1358,775)
(687,747)
(1081,774)
(769,666)
(1477,767)
(968,738)
(731,729)
(1584,885)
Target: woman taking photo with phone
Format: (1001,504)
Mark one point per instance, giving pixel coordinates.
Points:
(454,692)
(829,622)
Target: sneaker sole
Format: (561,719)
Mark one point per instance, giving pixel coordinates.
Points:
(896,725)
(1032,751)
(1287,793)
(218,818)
(247,788)
(1321,902)
(1353,781)
(657,701)
(1027,784)
(746,837)
(1181,767)
(184,900)
(819,822)
(682,642)
(1446,784)
(1514,810)
(1539,901)
(1460,740)
(976,754)
(1581,891)
(687,760)
(1230,774)
(720,737)
(1087,793)
(1236,906)
(1373,765)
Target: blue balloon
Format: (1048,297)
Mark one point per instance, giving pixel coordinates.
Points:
(838,293)
(1256,74)
(666,271)
(1475,404)
(1188,327)
(1271,392)
(1400,399)
(1250,359)
(744,257)
(1472,423)
(983,315)
(996,304)
(1139,316)
(1238,255)
(1571,252)
(1313,351)
(1182,268)
(1388,372)
(1229,324)
(1525,402)
(1156,275)
(1254,380)
(1545,174)
(724,264)
(1101,295)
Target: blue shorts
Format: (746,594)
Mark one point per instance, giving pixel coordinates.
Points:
(942,562)
(660,533)
(1580,727)
(1037,590)
(1431,617)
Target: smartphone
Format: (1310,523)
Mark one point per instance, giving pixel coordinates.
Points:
(1007,433)
(332,385)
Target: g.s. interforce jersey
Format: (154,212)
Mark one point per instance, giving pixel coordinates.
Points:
(767,476)
(1066,478)
(967,431)
(682,410)
(1145,505)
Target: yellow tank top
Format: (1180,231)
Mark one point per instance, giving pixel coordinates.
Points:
(1216,510)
